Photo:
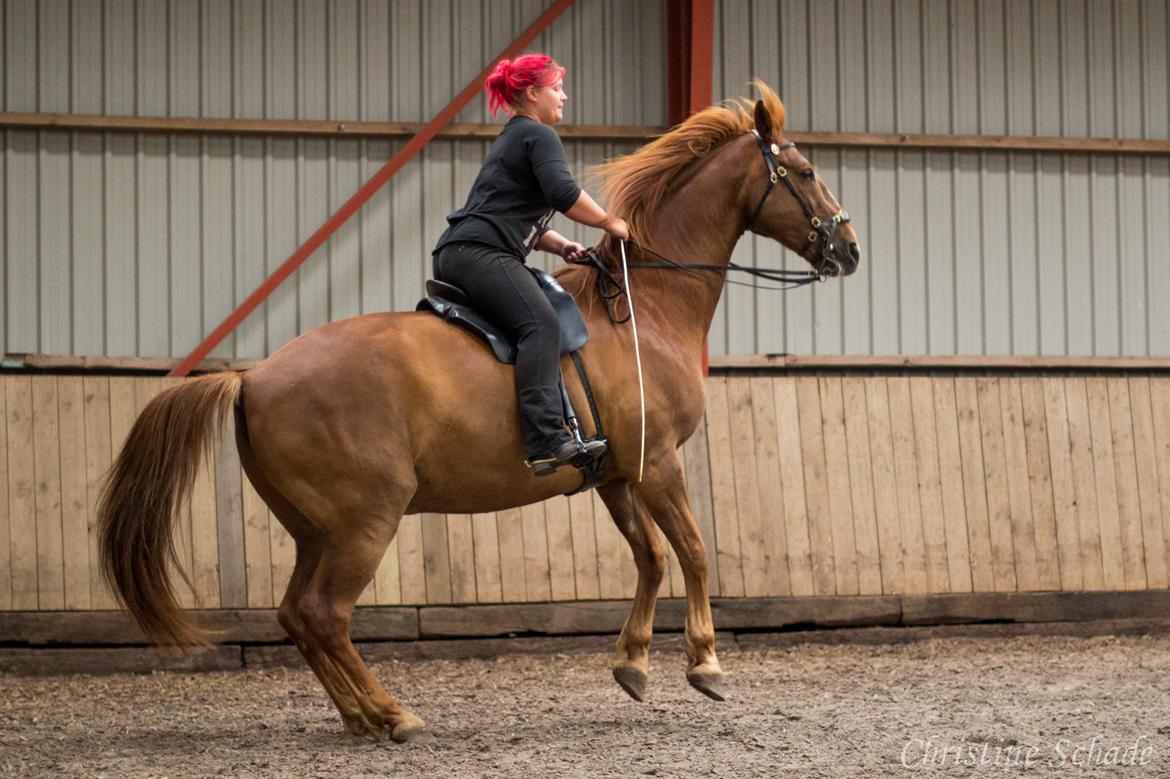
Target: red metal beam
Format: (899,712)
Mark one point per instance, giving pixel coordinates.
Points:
(367,191)
(690,42)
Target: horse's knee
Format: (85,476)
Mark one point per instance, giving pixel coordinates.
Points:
(328,624)
(656,566)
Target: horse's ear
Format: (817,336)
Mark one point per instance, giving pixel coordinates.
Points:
(763,120)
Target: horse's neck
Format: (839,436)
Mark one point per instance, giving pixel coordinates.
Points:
(697,223)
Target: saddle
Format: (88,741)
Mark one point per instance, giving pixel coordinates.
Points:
(452,305)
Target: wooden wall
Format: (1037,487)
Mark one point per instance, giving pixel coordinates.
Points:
(805,484)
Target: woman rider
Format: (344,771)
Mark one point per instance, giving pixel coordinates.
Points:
(524,180)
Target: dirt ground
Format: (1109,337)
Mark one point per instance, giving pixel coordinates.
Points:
(967,706)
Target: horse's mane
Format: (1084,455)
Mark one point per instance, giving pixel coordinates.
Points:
(635,184)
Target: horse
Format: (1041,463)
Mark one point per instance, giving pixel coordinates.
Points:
(352,425)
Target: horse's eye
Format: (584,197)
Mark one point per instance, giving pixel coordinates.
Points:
(809,175)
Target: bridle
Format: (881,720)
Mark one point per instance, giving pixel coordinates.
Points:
(823,229)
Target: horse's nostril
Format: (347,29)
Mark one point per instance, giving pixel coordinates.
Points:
(854,251)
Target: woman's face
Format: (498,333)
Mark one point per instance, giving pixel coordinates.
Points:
(545,104)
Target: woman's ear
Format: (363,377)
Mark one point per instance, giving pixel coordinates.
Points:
(530,94)
(763,120)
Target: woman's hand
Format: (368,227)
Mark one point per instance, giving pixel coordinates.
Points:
(572,251)
(617,228)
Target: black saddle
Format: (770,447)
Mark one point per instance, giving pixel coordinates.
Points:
(450,302)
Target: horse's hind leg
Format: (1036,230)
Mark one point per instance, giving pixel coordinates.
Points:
(308,556)
(632,660)
(663,491)
(346,566)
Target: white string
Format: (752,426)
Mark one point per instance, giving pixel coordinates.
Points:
(638,358)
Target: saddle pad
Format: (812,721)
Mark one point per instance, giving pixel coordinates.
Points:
(574,335)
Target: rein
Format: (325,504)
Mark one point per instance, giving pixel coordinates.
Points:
(610,287)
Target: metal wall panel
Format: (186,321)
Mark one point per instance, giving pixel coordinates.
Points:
(967,252)
(131,245)
(138,245)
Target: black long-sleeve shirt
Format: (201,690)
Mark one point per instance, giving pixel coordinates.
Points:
(524,178)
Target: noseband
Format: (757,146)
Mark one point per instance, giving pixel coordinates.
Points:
(823,229)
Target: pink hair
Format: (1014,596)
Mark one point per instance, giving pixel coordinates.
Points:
(511,77)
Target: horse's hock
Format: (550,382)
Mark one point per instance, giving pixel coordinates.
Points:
(847,494)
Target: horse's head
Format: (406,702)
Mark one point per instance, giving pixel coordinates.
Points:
(787,200)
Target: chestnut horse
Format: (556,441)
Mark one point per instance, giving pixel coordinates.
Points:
(358,422)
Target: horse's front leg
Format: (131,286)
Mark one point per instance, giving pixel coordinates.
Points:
(663,491)
(632,658)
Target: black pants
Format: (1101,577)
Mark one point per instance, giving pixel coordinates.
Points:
(502,289)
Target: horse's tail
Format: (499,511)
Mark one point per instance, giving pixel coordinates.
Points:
(144,494)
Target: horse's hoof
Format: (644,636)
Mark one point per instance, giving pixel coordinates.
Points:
(411,730)
(632,680)
(709,684)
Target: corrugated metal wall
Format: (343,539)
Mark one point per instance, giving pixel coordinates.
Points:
(968,253)
(138,245)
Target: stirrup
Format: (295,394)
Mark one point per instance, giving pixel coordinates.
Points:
(576,453)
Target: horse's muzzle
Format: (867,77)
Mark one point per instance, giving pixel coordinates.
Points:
(842,260)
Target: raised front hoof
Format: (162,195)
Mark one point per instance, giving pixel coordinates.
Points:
(632,680)
(410,730)
(710,684)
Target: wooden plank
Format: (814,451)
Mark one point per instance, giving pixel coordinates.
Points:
(257,549)
(436,558)
(769,486)
(812,447)
(950,470)
(50,582)
(796,522)
(74,507)
(1146,457)
(486,541)
(1080,445)
(488,131)
(741,430)
(584,542)
(929,486)
(999,507)
(1104,470)
(837,480)
(560,549)
(1040,489)
(1160,407)
(902,424)
(1015,451)
(511,532)
(22,517)
(885,488)
(388,577)
(5,525)
(231,546)
(974,485)
(934,362)
(460,549)
(410,560)
(284,556)
(698,477)
(1064,497)
(537,584)
(727,546)
(869,564)
(1125,474)
(98,453)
